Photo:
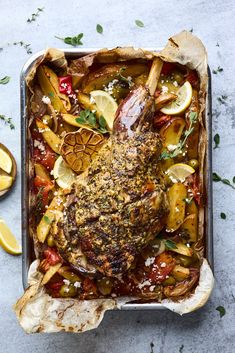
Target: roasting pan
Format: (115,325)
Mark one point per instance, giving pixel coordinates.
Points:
(27,242)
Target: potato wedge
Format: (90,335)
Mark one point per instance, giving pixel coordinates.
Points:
(172,131)
(176,195)
(191,208)
(49,84)
(101,77)
(190,227)
(86,103)
(71,119)
(182,249)
(49,136)
(50,273)
(180,273)
(41,171)
(45,224)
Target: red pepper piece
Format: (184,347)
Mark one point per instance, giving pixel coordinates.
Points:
(65,85)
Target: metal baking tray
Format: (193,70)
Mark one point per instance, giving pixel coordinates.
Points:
(27,243)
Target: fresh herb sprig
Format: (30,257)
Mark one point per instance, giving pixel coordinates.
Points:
(26,46)
(222,99)
(218,178)
(123,78)
(216,140)
(47,219)
(7,121)
(5,80)
(151,347)
(99,28)
(181,348)
(222,215)
(178,150)
(216,71)
(86,117)
(221,310)
(170,244)
(35,15)
(74,41)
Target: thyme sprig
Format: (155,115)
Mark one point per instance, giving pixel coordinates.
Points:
(7,121)
(35,15)
(26,46)
(178,150)
(218,178)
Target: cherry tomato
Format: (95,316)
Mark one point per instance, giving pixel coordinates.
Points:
(163,265)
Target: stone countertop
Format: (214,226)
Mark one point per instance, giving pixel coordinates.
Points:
(213,21)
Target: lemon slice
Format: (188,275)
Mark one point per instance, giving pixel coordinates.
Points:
(5,182)
(7,240)
(5,162)
(106,105)
(64,176)
(183,100)
(179,171)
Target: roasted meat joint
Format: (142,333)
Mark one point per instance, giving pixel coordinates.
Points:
(116,193)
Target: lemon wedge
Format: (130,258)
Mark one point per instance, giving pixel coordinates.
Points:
(183,100)
(5,182)
(106,105)
(5,162)
(64,176)
(179,171)
(7,240)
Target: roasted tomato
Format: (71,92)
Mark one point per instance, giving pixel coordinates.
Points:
(43,187)
(161,120)
(194,186)
(46,157)
(51,258)
(167,68)
(163,265)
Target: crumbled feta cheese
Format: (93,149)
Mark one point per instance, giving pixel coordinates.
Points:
(164,89)
(40,146)
(46,100)
(163,264)
(149,261)
(151,288)
(66,281)
(145,283)
(177,209)
(171,147)
(77,284)
(175,83)
(92,100)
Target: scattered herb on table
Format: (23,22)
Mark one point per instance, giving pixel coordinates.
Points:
(26,46)
(7,121)
(234,179)
(170,244)
(218,178)
(221,310)
(181,348)
(139,23)
(178,150)
(86,117)
(35,15)
(191,30)
(222,215)
(99,28)
(74,41)
(5,80)
(222,99)
(216,140)
(151,347)
(217,44)
(47,219)
(216,71)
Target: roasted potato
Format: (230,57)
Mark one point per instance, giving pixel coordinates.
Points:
(49,136)
(180,273)
(190,226)
(176,196)
(183,249)
(172,131)
(50,273)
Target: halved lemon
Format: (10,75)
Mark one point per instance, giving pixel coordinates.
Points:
(63,174)
(106,105)
(5,161)
(183,100)
(7,240)
(179,171)
(5,182)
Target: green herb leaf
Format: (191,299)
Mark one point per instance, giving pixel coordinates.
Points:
(217,44)
(222,215)
(102,121)
(91,120)
(139,23)
(35,15)
(221,310)
(74,41)
(5,80)
(181,348)
(216,140)
(26,46)
(99,28)
(47,219)
(170,244)
(222,99)
(80,120)
(219,69)
(234,179)
(7,121)
(216,177)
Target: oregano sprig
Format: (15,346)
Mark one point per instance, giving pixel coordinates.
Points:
(74,41)
(7,121)
(218,178)
(88,118)
(5,80)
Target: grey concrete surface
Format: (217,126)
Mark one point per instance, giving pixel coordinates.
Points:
(213,21)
